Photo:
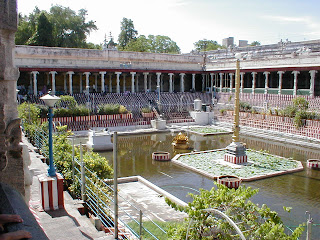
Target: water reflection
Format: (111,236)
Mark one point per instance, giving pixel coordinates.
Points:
(298,190)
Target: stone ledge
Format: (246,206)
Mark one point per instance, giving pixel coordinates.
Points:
(11,202)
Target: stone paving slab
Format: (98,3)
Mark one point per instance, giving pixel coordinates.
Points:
(151,202)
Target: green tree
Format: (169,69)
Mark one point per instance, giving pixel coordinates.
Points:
(141,44)
(254,221)
(163,44)
(127,34)
(71,29)
(255,43)
(206,45)
(44,32)
(155,44)
(68,28)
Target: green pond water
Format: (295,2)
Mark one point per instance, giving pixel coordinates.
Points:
(300,190)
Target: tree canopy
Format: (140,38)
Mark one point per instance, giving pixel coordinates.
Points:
(255,43)
(154,44)
(206,45)
(60,27)
(127,34)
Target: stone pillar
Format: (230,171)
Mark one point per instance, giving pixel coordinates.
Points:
(124,82)
(280,73)
(241,81)
(137,82)
(193,81)
(87,81)
(35,83)
(65,83)
(231,81)
(96,81)
(80,82)
(203,82)
(170,82)
(158,79)
(70,82)
(253,81)
(150,78)
(53,82)
(110,83)
(145,81)
(295,82)
(102,81)
(266,82)
(132,81)
(312,79)
(182,82)
(221,81)
(211,82)
(118,81)
(11,161)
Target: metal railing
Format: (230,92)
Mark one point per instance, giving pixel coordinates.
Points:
(99,198)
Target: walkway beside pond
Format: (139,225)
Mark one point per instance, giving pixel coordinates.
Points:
(136,194)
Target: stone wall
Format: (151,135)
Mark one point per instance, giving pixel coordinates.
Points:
(11,161)
(72,58)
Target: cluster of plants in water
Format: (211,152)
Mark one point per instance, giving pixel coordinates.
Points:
(261,163)
(207,130)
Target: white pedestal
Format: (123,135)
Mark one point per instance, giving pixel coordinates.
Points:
(159,124)
(202,118)
(99,140)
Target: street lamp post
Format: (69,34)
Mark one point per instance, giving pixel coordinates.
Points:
(50,100)
(236,152)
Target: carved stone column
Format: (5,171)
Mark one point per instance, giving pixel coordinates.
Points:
(221,81)
(241,81)
(295,82)
(102,81)
(193,81)
(280,81)
(132,81)
(182,82)
(254,74)
(231,81)
(53,82)
(145,81)
(266,82)
(11,161)
(118,81)
(312,79)
(70,82)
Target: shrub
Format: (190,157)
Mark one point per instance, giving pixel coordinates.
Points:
(110,109)
(256,222)
(290,111)
(146,110)
(62,112)
(67,101)
(300,103)
(244,106)
(123,109)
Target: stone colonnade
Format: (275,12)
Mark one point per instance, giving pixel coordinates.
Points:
(108,85)
(224,81)
(257,82)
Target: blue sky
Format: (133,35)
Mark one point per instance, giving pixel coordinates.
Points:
(187,21)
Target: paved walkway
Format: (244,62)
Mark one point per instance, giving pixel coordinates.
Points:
(61,224)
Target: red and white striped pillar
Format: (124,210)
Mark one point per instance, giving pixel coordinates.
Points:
(51,191)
